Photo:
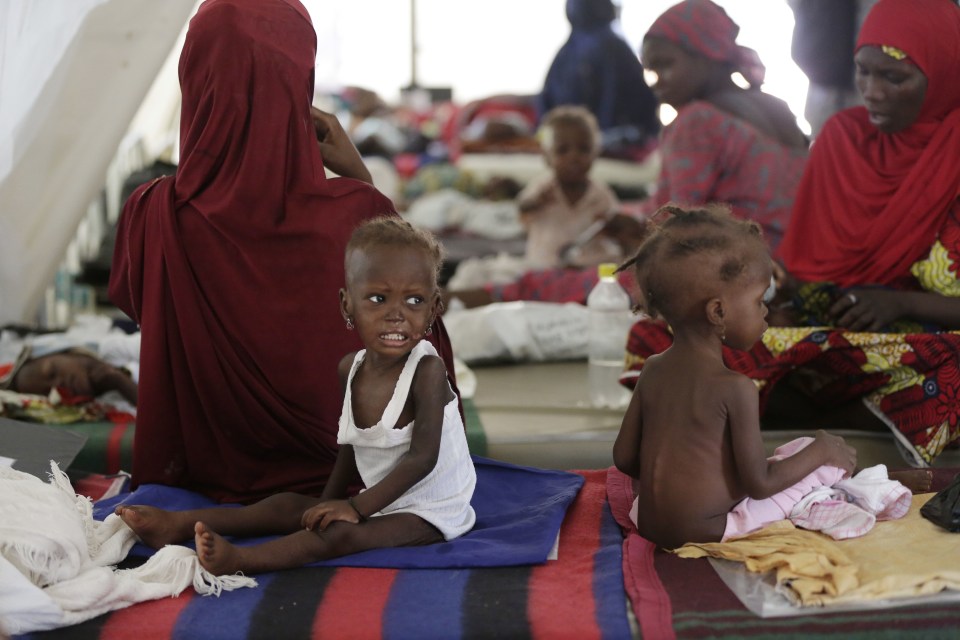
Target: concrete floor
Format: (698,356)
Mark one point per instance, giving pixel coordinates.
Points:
(539,415)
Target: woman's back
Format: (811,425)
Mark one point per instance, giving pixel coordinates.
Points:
(710,155)
(232,267)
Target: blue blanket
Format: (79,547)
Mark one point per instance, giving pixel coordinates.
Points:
(519,512)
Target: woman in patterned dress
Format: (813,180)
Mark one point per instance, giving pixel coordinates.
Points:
(872,252)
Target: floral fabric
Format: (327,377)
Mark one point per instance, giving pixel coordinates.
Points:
(909,376)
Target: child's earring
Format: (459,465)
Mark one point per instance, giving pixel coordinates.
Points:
(349,323)
(723,331)
(429,330)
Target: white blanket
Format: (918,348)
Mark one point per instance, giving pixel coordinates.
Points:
(56,560)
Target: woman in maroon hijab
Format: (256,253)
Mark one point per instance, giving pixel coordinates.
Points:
(232,266)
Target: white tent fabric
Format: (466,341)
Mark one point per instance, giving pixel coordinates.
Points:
(73,74)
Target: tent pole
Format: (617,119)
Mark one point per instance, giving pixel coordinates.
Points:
(413,43)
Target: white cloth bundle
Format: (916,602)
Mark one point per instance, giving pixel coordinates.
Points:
(56,561)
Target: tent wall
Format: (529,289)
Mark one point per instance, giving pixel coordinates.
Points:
(75,127)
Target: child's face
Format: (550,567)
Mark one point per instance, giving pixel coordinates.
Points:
(572,153)
(391,296)
(63,370)
(746,311)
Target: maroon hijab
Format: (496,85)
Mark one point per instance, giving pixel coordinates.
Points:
(870,204)
(232,268)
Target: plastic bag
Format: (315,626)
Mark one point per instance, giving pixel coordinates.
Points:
(943,509)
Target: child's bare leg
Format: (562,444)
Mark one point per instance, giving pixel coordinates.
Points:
(917,480)
(277,514)
(220,557)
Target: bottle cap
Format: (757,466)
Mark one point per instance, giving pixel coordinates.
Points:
(606,269)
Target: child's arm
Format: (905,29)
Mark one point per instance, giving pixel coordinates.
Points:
(344,470)
(532,199)
(431,392)
(333,504)
(759,477)
(626,449)
(345,467)
(106,377)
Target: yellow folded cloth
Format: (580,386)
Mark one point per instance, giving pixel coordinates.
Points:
(898,558)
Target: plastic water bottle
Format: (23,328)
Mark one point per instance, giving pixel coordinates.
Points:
(610,319)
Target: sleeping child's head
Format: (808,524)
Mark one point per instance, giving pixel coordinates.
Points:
(391,294)
(703,269)
(570,139)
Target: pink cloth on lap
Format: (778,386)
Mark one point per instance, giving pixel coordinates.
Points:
(749,514)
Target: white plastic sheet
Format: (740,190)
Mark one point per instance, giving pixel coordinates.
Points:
(72,75)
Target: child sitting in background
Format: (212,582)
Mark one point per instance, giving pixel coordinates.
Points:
(557,209)
(690,438)
(564,213)
(403,434)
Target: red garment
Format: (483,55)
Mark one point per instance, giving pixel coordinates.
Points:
(710,155)
(870,204)
(232,268)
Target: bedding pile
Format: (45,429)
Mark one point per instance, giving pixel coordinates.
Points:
(813,570)
(578,595)
(56,560)
(674,597)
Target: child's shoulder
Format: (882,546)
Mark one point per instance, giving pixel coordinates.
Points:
(343,368)
(430,377)
(430,364)
(737,389)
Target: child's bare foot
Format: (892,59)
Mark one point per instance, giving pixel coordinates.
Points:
(917,480)
(216,554)
(155,527)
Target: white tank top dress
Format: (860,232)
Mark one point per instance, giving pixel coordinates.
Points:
(442,498)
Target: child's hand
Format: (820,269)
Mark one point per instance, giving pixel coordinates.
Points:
(320,516)
(105,377)
(837,452)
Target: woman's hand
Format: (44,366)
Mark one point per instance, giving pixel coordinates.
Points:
(321,515)
(338,151)
(867,309)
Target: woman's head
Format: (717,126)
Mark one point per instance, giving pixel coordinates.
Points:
(246,78)
(908,54)
(692,48)
(392,296)
(590,14)
(570,138)
(697,256)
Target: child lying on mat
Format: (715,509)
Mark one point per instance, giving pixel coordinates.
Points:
(691,435)
(403,434)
